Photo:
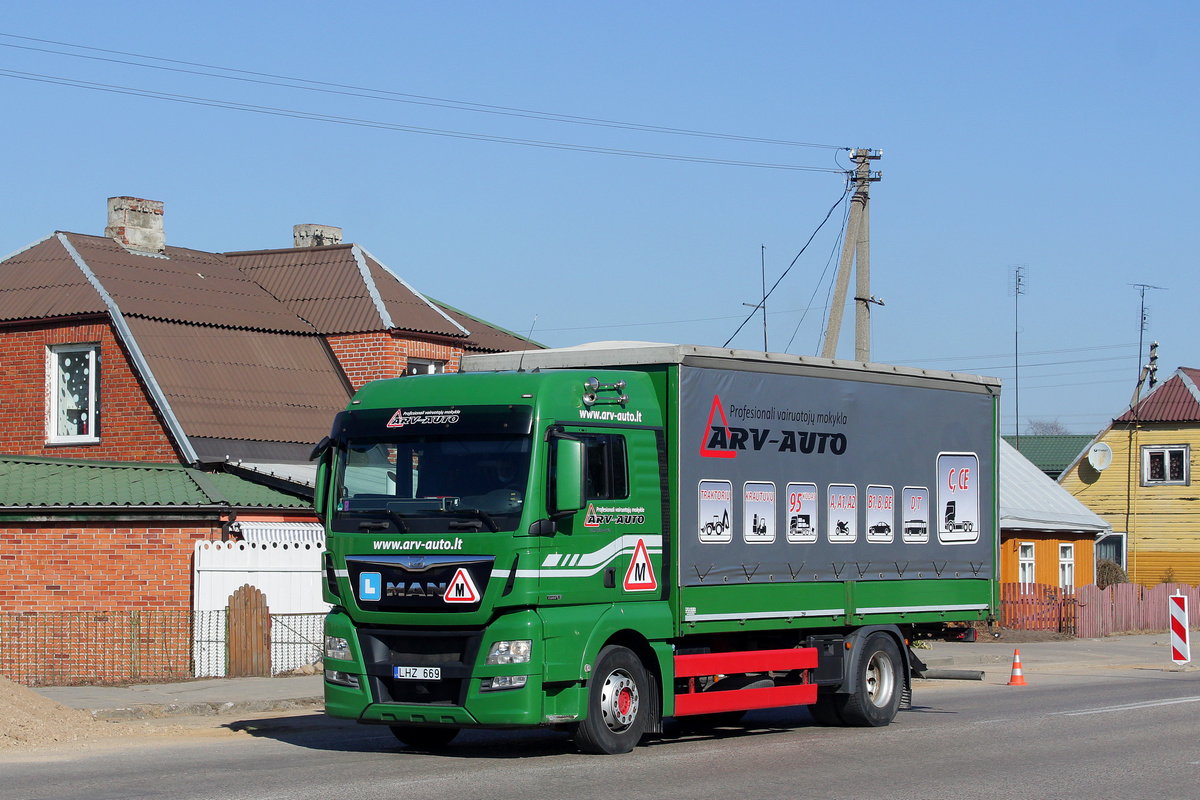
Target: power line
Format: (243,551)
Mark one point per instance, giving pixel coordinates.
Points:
(327,87)
(754,311)
(1007,355)
(367,123)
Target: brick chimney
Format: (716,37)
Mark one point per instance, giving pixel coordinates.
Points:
(136,223)
(316,235)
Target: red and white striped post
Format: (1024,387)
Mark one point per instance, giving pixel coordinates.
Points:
(1181,653)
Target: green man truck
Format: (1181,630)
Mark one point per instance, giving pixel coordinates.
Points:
(598,538)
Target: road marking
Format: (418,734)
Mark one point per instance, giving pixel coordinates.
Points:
(1125,707)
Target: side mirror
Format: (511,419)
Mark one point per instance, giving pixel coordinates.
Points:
(569,470)
(321,492)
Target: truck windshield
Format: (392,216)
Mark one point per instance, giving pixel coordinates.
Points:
(432,483)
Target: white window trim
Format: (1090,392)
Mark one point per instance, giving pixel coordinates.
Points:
(434,366)
(1062,562)
(1147,449)
(52,353)
(1032,562)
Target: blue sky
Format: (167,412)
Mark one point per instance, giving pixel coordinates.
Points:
(1056,136)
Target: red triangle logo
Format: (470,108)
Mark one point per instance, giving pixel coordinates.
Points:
(640,576)
(397,420)
(592,520)
(705,450)
(461,589)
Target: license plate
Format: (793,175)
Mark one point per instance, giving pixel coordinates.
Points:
(417,673)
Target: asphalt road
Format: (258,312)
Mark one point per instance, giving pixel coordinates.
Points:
(1112,733)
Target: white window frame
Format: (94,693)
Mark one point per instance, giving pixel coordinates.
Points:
(53,354)
(1026,566)
(427,366)
(1165,449)
(1066,566)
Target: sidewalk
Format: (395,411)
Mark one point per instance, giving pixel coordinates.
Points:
(203,697)
(1144,651)
(245,695)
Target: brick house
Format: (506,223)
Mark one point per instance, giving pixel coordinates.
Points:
(229,366)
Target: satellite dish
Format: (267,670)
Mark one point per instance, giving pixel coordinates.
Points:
(1100,456)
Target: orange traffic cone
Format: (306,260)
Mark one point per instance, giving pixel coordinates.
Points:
(1017,679)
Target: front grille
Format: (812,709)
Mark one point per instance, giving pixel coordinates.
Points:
(453,651)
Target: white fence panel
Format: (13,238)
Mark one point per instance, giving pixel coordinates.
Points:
(288,573)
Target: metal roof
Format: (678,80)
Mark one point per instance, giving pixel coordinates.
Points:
(46,483)
(243,384)
(1175,400)
(1051,453)
(1030,500)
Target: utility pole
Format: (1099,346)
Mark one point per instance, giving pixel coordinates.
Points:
(857,243)
(1018,286)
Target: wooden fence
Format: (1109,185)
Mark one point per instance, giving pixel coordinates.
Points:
(1090,612)
(1131,607)
(1037,607)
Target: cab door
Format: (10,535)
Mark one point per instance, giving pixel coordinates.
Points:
(611,550)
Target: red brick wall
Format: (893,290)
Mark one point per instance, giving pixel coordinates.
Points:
(73,566)
(370,356)
(129,428)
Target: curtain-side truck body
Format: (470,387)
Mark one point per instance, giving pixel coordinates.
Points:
(597,538)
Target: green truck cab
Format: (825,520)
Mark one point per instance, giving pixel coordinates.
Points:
(598,538)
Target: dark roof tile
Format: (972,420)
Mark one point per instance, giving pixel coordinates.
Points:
(1175,400)
(43,282)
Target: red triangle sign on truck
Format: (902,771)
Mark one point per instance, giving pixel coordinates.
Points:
(640,576)
(461,589)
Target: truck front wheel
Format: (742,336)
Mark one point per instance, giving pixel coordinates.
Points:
(879,677)
(618,704)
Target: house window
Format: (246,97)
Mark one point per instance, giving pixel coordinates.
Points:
(1025,563)
(1165,464)
(423,366)
(1111,546)
(1066,566)
(74,393)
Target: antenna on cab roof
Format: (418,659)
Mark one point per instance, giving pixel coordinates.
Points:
(529,336)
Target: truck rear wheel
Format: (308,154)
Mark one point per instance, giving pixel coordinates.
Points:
(618,704)
(879,673)
(424,738)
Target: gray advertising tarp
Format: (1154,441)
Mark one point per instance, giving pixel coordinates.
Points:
(787,477)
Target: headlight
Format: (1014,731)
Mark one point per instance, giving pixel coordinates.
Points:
(503,682)
(337,647)
(514,652)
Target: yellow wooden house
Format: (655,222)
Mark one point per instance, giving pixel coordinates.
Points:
(1137,474)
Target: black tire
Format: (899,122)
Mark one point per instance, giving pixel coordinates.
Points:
(618,707)
(825,711)
(424,738)
(879,671)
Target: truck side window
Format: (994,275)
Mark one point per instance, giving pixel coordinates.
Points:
(607,466)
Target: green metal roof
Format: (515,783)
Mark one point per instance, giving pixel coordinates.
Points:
(1051,453)
(27,482)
